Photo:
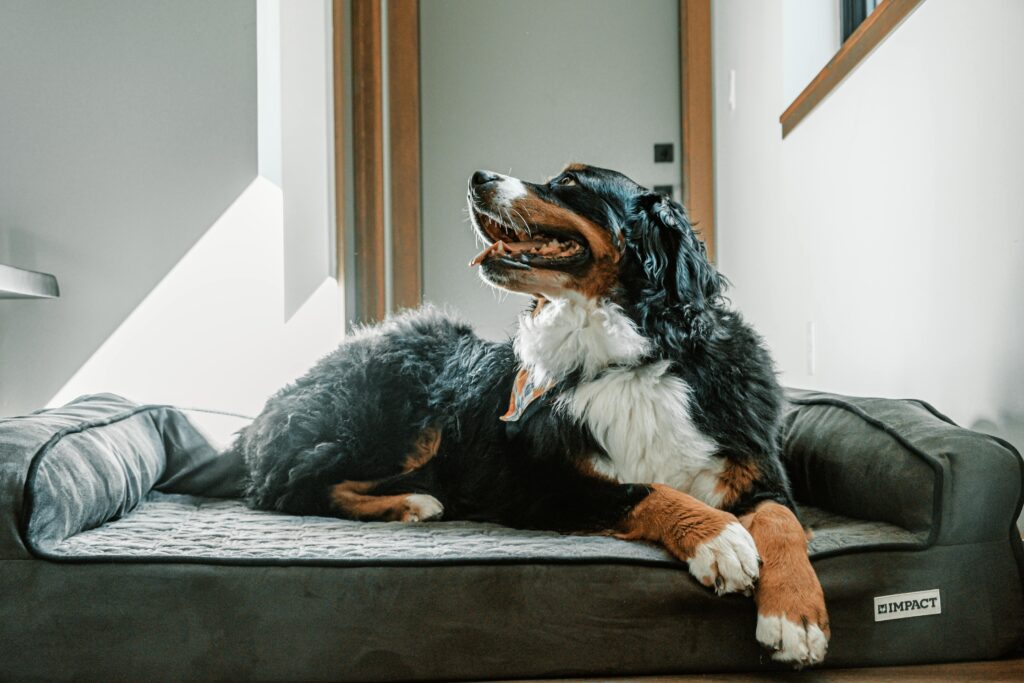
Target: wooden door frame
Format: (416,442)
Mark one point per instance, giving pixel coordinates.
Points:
(368,162)
(697,135)
(406,172)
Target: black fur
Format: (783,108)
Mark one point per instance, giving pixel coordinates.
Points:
(357,413)
(680,304)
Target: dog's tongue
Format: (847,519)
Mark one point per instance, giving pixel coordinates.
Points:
(502,248)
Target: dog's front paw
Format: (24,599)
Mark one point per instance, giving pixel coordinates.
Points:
(728,562)
(792,620)
(801,643)
(419,507)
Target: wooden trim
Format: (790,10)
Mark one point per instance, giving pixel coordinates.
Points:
(404,131)
(698,149)
(368,161)
(887,16)
(338,46)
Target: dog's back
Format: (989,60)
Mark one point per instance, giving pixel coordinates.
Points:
(352,416)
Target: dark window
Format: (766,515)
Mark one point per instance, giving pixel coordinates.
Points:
(854,14)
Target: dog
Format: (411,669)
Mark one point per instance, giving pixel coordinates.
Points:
(632,401)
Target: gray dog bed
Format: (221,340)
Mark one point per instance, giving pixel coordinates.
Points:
(124,555)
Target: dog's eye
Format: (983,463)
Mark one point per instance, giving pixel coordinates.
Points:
(566,180)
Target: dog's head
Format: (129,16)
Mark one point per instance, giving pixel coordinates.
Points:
(593,233)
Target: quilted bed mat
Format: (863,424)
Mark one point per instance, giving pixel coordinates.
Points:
(183,528)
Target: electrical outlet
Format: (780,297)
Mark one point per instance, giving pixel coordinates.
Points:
(664,189)
(664,152)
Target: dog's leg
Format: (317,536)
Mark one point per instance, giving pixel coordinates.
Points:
(353,500)
(791,616)
(719,551)
(371,500)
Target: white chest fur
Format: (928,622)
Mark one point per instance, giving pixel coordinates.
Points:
(570,334)
(641,418)
(639,414)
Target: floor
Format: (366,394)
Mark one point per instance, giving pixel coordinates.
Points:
(1005,670)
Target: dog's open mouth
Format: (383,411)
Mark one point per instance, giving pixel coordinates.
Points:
(519,247)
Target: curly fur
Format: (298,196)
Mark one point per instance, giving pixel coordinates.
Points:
(358,412)
(629,384)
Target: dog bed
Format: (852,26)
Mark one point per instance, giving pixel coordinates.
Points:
(124,553)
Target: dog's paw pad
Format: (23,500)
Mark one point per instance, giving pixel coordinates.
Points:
(420,507)
(728,562)
(799,644)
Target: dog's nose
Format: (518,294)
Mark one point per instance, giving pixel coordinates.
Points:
(482,177)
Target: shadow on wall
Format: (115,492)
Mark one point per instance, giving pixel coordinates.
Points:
(211,333)
(102,280)
(127,129)
(1009,427)
(129,146)
(1009,383)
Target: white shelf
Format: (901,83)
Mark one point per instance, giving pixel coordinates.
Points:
(17,283)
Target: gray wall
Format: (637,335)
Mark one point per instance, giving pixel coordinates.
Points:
(524,87)
(128,127)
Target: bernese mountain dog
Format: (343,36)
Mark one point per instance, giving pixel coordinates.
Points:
(631,401)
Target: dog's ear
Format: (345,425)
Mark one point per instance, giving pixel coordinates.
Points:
(673,259)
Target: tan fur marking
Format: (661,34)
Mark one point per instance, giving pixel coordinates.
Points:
(349,497)
(788,586)
(428,443)
(548,280)
(542,213)
(735,480)
(674,519)
(600,281)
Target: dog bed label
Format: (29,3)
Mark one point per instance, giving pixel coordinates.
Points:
(906,605)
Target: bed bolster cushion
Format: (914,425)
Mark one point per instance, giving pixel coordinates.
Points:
(73,468)
(901,462)
(195,466)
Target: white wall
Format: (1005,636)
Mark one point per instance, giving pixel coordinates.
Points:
(525,87)
(128,168)
(307,147)
(811,35)
(892,217)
